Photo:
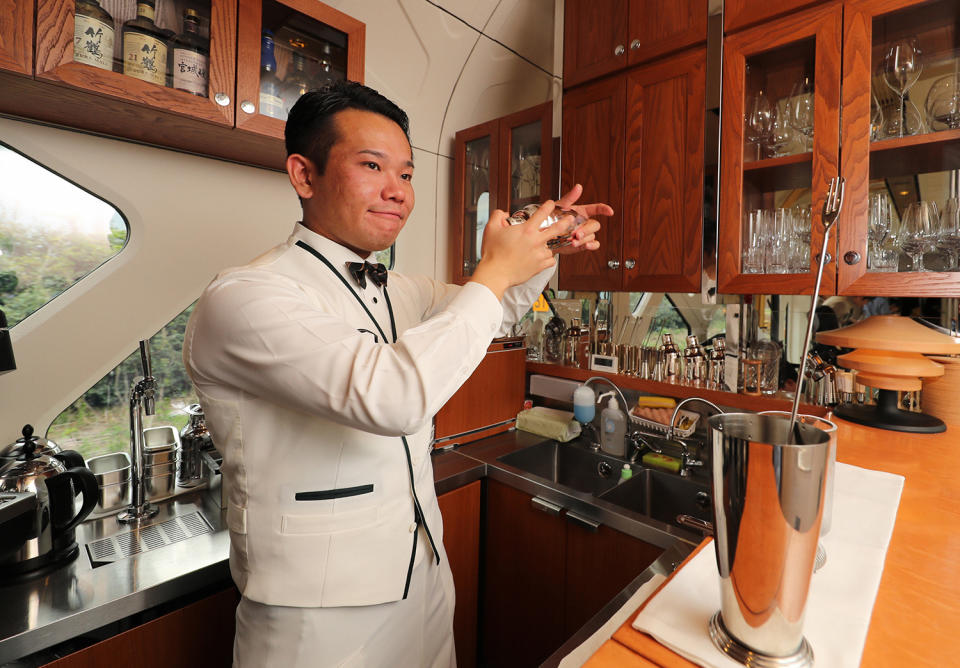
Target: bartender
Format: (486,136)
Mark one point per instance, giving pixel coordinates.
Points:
(320,373)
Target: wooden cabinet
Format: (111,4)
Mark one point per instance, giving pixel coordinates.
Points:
(200,634)
(461,540)
(635,141)
(762,68)
(545,576)
(106,101)
(739,14)
(760,178)
(506,164)
(603,36)
(16,36)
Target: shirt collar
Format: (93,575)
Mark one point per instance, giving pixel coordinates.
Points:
(337,254)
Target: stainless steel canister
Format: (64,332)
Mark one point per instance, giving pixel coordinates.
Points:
(194,439)
(768,499)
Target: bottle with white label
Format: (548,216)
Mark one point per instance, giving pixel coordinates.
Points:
(271,104)
(144,46)
(190,56)
(92,35)
(613,429)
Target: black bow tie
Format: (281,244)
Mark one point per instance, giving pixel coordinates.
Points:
(360,271)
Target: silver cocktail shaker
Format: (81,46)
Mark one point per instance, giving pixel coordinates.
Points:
(768,501)
(194,439)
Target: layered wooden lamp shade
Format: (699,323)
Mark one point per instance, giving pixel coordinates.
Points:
(889,355)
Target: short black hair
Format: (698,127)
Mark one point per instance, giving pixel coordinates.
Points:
(310,130)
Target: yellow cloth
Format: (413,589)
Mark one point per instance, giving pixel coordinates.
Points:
(549,422)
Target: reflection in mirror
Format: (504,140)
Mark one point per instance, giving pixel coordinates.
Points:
(52,234)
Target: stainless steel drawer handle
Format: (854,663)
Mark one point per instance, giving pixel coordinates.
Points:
(548,507)
(613,264)
(583,522)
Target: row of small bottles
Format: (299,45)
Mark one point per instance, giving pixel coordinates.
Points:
(278,97)
(149,52)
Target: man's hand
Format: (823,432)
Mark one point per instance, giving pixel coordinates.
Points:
(512,254)
(584,236)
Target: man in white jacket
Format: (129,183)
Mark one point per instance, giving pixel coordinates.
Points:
(320,384)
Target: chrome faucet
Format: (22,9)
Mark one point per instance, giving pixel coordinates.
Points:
(142,398)
(687,461)
(594,441)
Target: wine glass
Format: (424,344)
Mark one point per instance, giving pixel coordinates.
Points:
(876,118)
(781,133)
(948,239)
(800,110)
(943,103)
(758,122)
(901,69)
(919,231)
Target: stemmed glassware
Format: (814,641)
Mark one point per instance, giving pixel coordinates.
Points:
(943,103)
(919,231)
(881,248)
(759,122)
(901,69)
(948,239)
(781,133)
(800,110)
(876,118)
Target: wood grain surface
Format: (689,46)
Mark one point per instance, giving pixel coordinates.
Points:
(659,27)
(461,541)
(16,36)
(592,29)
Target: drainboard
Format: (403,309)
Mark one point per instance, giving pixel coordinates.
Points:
(143,539)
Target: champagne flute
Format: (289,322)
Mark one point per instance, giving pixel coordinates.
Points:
(901,69)
(800,110)
(919,231)
(758,122)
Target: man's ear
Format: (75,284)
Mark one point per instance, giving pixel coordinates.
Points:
(302,172)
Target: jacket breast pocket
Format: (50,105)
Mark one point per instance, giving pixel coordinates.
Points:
(328,494)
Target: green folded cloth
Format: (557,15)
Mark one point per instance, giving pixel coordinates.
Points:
(549,422)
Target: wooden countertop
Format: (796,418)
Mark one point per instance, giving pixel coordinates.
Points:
(917,611)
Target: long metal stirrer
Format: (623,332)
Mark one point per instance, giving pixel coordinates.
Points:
(830,211)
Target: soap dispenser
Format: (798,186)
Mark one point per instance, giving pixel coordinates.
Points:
(613,429)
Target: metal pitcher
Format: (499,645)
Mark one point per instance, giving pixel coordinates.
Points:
(768,500)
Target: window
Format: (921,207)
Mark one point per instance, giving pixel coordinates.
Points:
(52,234)
(98,422)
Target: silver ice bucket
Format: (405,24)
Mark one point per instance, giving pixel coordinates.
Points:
(768,500)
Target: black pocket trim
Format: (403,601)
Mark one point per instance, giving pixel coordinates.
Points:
(327,494)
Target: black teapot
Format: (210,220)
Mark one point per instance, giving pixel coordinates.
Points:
(33,465)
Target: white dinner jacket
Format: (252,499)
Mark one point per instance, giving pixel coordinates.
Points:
(325,427)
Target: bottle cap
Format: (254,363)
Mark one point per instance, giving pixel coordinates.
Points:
(612,403)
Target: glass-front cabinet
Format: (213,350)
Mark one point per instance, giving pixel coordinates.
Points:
(898,149)
(901,149)
(780,138)
(506,163)
(285,48)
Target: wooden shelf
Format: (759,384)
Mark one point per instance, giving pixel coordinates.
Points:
(779,402)
(917,154)
(788,172)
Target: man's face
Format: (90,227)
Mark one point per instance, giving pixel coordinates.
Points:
(364,196)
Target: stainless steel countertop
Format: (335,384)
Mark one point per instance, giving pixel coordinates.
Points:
(79,598)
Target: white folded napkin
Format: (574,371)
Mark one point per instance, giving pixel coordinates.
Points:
(841,593)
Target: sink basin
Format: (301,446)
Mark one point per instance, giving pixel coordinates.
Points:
(568,465)
(662,496)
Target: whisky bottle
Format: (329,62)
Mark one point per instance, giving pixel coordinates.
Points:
(271,104)
(190,56)
(144,46)
(297,82)
(92,35)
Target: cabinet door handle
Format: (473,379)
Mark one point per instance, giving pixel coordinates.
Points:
(851,257)
(618,51)
(635,44)
(548,507)
(222,99)
(583,522)
(630,264)
(613,264)
(248,107)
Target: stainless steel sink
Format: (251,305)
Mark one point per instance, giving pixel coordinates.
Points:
(569,465)
(661,496)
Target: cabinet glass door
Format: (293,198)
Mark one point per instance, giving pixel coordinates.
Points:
(781,97)
(905,212)
(476,203)
(525,166)
(286,48)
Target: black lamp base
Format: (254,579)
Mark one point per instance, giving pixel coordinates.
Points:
(887,415)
